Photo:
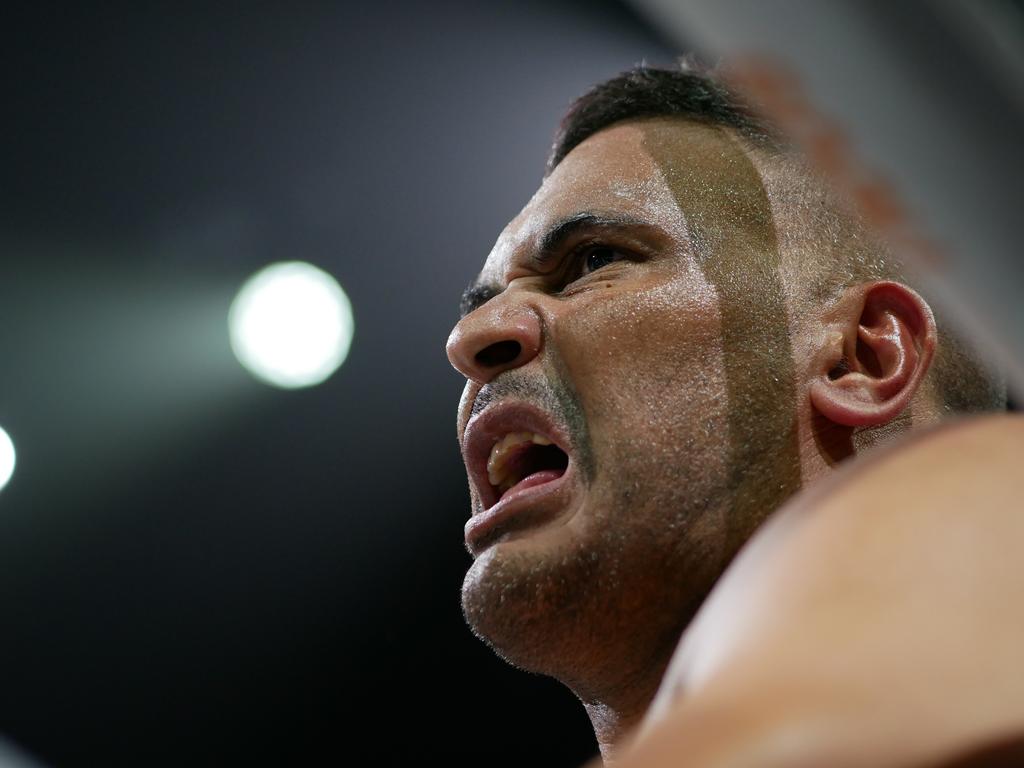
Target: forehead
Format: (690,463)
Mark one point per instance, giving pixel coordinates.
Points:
(614,172)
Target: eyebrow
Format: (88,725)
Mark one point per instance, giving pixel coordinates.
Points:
(475,296)
(553,240)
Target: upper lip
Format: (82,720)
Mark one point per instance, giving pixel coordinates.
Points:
(493,423)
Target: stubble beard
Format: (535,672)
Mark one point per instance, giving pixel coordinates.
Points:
(622,586)
(611,591)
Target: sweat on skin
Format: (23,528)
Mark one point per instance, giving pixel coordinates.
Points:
(677,355)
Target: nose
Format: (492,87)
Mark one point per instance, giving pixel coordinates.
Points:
(496,337)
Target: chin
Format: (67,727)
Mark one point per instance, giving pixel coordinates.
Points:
(530,602)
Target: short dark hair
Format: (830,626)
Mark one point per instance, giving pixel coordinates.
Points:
(691,91)
(962,381)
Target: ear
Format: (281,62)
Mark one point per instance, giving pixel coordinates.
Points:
(881,344)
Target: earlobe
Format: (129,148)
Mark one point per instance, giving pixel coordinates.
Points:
(880,348)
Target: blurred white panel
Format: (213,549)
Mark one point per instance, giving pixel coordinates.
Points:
(925,106)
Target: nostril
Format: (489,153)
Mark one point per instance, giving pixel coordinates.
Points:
(498,353)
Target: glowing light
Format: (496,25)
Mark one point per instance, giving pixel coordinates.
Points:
(291,325)
(7,458)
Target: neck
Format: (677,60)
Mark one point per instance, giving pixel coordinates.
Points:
(618,710)
(610,727)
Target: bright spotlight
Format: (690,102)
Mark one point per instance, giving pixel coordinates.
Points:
(7,458)
(291,325)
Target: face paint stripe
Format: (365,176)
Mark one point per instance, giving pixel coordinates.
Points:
(732,231)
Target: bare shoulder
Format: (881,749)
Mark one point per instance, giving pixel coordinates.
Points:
(876,620)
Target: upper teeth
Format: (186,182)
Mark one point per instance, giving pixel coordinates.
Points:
(496,471)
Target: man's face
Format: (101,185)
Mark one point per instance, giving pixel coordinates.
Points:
(604,334)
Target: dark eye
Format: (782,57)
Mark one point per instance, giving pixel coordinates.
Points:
(599,257)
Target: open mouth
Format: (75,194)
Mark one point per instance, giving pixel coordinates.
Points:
(511,449)
(521,460)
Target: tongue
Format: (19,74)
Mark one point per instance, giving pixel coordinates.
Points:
(537,478)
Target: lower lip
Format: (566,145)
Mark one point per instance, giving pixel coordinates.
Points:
(524,496)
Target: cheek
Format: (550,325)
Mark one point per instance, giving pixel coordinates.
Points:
(650,376)
(645,356)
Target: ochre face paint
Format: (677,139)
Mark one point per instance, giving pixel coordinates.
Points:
(730,225)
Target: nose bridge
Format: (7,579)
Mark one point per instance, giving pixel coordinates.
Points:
(502,334)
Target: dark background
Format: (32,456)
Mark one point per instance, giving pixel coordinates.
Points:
(197,569)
